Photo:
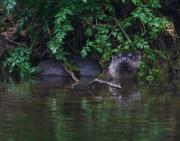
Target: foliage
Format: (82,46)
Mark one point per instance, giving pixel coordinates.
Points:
(9,5)
(93,27)
(19,59)
(62,27)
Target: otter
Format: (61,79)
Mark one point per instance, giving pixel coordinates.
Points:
(119,73)
(123,65)
(88,67)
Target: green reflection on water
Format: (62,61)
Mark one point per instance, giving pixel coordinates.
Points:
(54,112)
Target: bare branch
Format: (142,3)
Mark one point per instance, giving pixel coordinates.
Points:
(105,82)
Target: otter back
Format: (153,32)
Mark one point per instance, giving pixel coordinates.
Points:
(87,67)
(50,67)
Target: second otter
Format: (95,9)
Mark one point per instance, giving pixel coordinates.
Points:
(122,65)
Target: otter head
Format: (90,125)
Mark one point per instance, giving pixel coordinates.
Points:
(124,63)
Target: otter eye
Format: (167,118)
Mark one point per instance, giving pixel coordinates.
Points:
(114,58)
(130,55)
(119,55)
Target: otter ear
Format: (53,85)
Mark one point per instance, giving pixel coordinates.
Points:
(138,55)
(114,57)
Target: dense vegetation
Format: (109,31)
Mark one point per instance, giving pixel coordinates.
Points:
(101,28)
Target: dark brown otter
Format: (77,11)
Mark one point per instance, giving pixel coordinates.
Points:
(87,67)
(123,65)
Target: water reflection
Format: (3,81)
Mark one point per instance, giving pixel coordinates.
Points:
(45,109)
(127,93)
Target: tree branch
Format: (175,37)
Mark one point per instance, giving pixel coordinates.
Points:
(19,44)
(72,75)
(105,82)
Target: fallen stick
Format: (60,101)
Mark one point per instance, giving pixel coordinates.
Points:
(72,75)
(19,44)
(105,82)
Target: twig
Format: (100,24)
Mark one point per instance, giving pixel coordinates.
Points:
(105,82)
(72,75)
(113,29)
(125,34)
(44,53)
(176,36)
(11,41)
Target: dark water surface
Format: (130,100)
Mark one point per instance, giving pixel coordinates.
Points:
(54,109)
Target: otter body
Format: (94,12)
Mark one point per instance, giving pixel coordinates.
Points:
(50,67)
(123,65)
(87,67)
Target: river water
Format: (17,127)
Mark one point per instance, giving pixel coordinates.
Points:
(55,109)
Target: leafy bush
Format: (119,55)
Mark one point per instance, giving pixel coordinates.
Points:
(9,5)
(18,59)
(61,29)
(99,28)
